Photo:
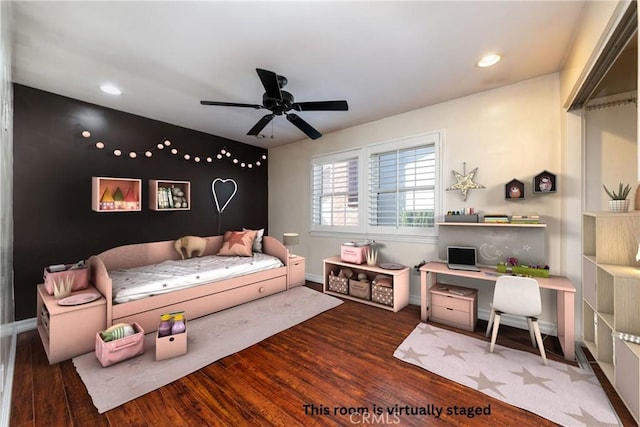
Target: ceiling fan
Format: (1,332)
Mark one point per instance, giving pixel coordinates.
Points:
(280,102)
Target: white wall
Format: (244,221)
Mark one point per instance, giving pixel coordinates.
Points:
(510,132)
(610,150)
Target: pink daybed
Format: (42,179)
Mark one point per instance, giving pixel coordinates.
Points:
(197,301)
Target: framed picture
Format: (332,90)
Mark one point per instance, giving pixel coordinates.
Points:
(544,182)
(514,190)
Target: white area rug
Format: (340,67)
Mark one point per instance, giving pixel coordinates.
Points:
(209,339)
(567,395)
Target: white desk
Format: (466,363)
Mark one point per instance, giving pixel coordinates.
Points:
(564,289)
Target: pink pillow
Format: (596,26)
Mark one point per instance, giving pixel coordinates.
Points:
(238,243)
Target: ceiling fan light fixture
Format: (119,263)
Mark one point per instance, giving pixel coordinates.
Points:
(489,60)
(279,102)
(110,89)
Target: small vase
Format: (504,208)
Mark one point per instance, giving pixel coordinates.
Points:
(62,287)
(619,205)
(372,257)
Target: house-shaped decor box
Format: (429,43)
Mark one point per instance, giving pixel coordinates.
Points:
(514,190)
(544,182)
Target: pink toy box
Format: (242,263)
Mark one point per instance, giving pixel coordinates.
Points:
(121,349)
(354,254)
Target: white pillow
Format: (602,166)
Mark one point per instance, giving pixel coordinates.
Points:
(257,243)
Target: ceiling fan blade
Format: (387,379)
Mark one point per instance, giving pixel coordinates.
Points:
(269,80)
(255,130)
(303,126)
(231,104)
(321,106)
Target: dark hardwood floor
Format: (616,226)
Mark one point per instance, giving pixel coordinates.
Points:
(341,358)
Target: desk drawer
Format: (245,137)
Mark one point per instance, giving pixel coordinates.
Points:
(455,310)
(461,319)
(452,301)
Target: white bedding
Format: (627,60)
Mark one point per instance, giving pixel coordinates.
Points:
(140,282)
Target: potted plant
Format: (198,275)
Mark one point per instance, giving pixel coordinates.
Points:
(619,201)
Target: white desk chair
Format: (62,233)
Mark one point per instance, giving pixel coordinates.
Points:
(519,296)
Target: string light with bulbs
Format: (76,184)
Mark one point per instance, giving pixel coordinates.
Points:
(166,145)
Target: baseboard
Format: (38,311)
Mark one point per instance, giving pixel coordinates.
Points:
(25,325)
(546,328)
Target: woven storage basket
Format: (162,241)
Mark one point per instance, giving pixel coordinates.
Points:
(382,294)
(338,284)
(360,289)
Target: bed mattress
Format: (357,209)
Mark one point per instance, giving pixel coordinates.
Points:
(140,282)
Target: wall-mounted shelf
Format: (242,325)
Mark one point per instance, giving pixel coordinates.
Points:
(116,194)
(167,195)
(491,224)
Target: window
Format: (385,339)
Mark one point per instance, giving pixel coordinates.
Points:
(335,192)
(402,188)
(388,188)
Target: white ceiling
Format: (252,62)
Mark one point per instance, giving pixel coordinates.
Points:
(383,57)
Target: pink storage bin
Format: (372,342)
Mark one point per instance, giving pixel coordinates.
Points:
(171,345)
(80,278)
(354,254)
(121,349)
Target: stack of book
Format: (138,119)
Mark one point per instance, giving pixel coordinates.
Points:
(496,218)
(525,218)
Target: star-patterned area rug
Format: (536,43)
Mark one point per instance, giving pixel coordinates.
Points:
(565,394)
(209,338)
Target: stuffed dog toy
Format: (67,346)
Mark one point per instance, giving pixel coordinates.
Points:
(190,246)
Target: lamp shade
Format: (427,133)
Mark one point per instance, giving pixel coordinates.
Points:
(290,239)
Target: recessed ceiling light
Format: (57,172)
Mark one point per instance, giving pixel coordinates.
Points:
(110,89)
(489,60)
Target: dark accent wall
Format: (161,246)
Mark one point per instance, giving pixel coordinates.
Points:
(53,166)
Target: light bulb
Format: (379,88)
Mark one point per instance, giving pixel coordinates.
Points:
(160,146)
(133,155)
(110,89)
(148,153)
(99,145)
(117,152)
(174,151)
(86,133)
(489,60)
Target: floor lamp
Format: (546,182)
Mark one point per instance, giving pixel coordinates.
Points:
(290,239)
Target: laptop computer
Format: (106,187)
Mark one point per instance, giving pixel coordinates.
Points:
(462,258)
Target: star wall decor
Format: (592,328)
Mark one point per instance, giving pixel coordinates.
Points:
(465,182)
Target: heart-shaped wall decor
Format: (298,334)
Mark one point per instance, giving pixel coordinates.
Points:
(223,191)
